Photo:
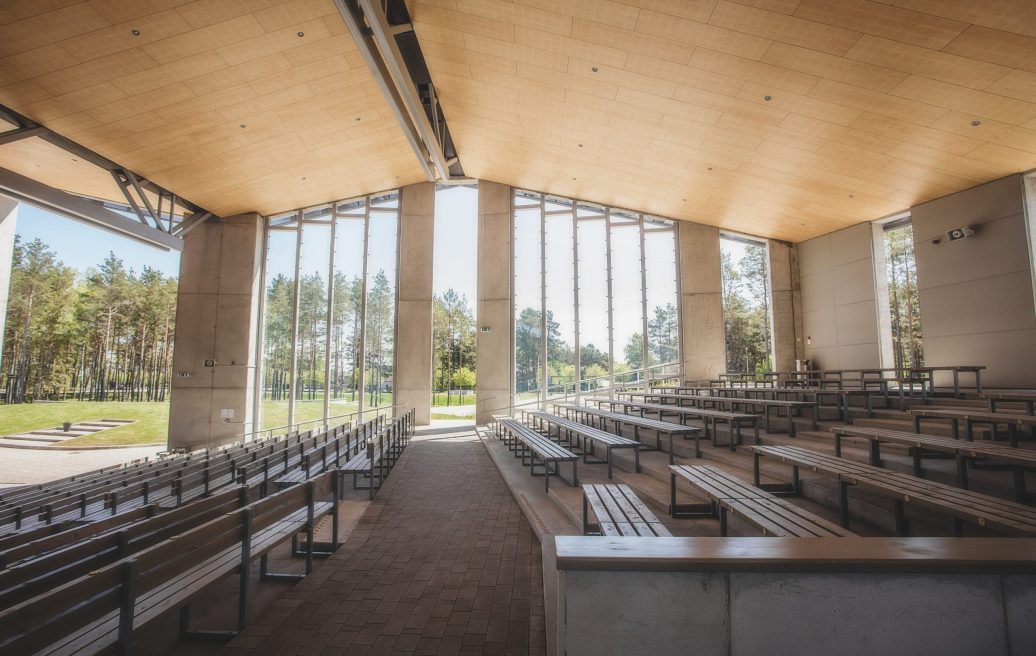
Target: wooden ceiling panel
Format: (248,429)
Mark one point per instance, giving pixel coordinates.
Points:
(221,101)
(784,118)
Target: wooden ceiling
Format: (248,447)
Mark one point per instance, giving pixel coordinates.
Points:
(221,101)
(780,118)
(655,105)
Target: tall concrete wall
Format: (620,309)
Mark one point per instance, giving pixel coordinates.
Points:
(493,347)
(839,310)
(976,295)
(8,224)
(786,303)
(701,303)
(216,319)
(413,384)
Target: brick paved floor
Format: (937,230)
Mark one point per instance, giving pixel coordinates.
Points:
(443,562)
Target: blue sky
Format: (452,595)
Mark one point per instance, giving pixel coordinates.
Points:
(455,260)
(83,246)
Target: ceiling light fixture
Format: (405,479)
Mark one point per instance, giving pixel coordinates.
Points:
(767,98)
(242,125)
(136,33)
(976,123)
(594,69)
(301,34)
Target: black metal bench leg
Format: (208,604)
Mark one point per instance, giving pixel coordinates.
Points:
(755,467)
(1020,494)
(843,503)
(962,471)
(900,517)
(723,521)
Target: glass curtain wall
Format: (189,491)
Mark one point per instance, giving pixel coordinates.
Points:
(329,312)
(904,309)
(744,268)
(595,296)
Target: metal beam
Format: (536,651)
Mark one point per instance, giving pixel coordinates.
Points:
(352,15)
(381,31)
(20,133)
(36,193)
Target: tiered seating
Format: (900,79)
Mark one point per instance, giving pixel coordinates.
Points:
(709,418)
(955,416)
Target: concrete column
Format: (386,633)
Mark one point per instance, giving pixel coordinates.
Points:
(785,305)
(413,384)
(493,341)
(8,224)
(701,302)
(217,304)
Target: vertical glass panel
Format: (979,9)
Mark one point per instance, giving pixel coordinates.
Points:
(277,344)
(905,313)
(381,307)
(627,301)
(744,266)
(311,340)
(346,314)
(662,303)
(560,284)
(594,358)
(454,285)
(528,375)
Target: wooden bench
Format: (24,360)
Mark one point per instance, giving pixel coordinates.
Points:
(44,571)
(731,403)
(709,418)
(583,434)
(379,454)
(729,495)
(961,505)
(618,419)
(527,443)
(955,416)
(619,512)
(99,611)
(1017,459)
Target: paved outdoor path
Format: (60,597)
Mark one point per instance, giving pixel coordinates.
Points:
(23,466)
(443,562)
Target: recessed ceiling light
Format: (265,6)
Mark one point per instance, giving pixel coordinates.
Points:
(852,196)
(301,34)
(580,145)
(710,168)
(303,177)
(767,98)
(242,125)
(976,123)
(357,118)
(136,32)
(594,69)
(573,178)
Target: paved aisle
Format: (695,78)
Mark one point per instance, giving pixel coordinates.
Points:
(443,562)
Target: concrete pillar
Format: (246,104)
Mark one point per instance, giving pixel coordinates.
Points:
(493,341)
(214,361)
(701,302)
(785,304)
(8,224)
(413,384)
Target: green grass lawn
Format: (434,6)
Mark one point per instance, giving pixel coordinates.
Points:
(439,399)
(152,420)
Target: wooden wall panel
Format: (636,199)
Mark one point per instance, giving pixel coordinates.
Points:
(218,100)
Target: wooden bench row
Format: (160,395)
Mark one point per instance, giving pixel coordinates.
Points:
(729,495)
(589,416)
(100,610)
(1018,460)
(379,454)
(735,421)
(537,449)
(961,505)
(585,438)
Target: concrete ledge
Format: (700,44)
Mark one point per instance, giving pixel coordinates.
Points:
(769,554)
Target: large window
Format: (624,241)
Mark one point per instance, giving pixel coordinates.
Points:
(329,312)
(595,296)
(744,267)
(901,278)
(454,278)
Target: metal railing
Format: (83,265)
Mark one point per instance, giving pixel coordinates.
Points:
(583,388)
